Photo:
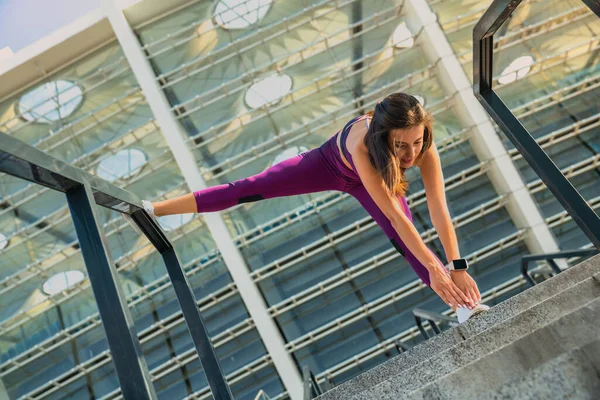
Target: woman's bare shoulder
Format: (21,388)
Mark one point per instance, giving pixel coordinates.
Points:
(358,133)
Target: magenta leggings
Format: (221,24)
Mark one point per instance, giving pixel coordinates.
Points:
(317,170)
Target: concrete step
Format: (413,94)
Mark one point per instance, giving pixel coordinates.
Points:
(430,348)
(557,352)
(484,343)
(570,376)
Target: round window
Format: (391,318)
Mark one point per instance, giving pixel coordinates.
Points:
(268,90)
(50,102)
(240,14)
(123,164)
(516,70)
(62,281)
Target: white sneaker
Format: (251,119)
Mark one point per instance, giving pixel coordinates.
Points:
(148,208)
(464,314)
(147,204)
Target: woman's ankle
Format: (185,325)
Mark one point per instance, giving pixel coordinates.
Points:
(157,209)
(178,205)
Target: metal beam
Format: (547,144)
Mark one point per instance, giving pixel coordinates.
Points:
(123,342)
(82,189)
(191,313)
(29,163)
(486,144)
(594,5)
(483,46)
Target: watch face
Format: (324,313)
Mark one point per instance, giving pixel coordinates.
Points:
(460,264)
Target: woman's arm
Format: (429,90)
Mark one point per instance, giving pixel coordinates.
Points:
(389,205)
(433,180)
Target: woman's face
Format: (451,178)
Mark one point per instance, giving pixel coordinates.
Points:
(407,144)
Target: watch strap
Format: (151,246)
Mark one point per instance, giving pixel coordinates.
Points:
(458,265)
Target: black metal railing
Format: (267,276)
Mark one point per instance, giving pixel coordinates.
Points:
(82,190)
(549,258)
(310,384)
(262,395)
(483,48)
(401,347)
(435,320)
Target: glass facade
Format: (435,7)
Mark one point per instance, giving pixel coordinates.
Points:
(248,81)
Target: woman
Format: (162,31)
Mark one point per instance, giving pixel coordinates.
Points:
(367,159)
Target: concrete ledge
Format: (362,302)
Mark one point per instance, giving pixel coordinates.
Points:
(452,337)
(566,377)
(394,366)
(532,296)
(550,357)
(479,346)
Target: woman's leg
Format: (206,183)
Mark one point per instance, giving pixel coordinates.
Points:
(305,173)
(361,194)
(185,204)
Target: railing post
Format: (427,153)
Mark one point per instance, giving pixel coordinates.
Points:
(420,326)
(306,383)
(554,266)
(525,271)
(549,258)
(83,192)
(581,212)
(594,5)
(434,327)
(315,385)
(400,346)
(483,49)
(130,365)
(206,352)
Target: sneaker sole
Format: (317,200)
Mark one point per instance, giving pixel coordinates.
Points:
(478,312)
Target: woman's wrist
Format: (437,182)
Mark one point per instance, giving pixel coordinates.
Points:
(458,272)
(453,255)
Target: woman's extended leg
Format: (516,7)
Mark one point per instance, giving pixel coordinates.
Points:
(361,194)
(185,204)
(305,173)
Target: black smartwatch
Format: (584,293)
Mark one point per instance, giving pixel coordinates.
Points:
(458,265)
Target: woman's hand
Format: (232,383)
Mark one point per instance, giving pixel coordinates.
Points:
(467,285)
(443,285)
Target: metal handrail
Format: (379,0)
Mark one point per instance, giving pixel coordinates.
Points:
(401,347)
(310,384)
(549,258)
(431,317)
(82,190)
(262,395)
(483,48)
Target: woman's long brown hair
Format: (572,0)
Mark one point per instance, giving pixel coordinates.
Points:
(395,111)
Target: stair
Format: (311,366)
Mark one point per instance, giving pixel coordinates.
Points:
(541,343)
